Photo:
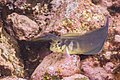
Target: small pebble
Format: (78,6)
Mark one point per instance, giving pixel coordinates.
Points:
(117,38)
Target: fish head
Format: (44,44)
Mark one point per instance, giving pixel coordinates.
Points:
(56,46)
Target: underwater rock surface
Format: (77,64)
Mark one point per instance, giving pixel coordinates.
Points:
(92,69)
(34,18)
(76,76)
(58,17)
(23,27)
(10,62)
(12,78)
(57,65)
(117,38)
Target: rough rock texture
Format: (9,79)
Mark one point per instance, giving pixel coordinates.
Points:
(109,67)
(105,3)
(116,3)
(20,3)
(66,16)
(70,16)
(58,65)
(116,24)
(24,27)
(76,77)
(117,38)
(117,76)
(12,78)
(10,63)
(93,70)
(57,17)
(116,71)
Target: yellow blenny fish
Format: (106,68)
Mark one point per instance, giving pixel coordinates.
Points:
(89,43)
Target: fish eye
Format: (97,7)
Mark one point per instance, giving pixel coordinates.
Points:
(59,42)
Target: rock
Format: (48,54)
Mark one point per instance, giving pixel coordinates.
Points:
(76,77)
(57,17)
(117,38)
(109,67)
(117,23)
(108,55)
(24,27)
(20,3)
(93,70)
(70,16)
(106,3)
(118,28)
(116,3)
(12,78)
(10,62)
(58,65)
(117,76)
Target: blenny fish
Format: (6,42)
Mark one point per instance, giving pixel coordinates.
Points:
(87,44)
